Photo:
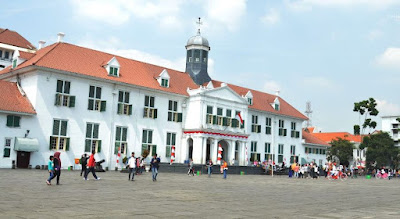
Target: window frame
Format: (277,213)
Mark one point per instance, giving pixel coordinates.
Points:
(59,141)
(120,140)
(92,142)
(7,147)
(13,121)
(170,141)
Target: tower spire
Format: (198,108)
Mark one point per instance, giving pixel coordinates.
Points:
(199,23)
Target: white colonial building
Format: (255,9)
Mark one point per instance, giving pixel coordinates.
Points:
(83,100)
(391,124)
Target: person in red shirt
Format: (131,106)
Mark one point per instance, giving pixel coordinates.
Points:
(91,164)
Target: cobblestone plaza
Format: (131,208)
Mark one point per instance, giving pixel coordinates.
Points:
(26,195)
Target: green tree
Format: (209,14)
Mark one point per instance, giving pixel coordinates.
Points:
(380,150)
(342,149)
(366,108)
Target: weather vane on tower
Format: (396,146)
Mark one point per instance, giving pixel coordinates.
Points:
(199,23)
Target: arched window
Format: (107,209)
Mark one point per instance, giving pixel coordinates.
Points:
(196,55)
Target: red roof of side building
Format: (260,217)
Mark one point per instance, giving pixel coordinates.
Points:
(13,38)
(26,55)
(329,136)
(11,99)
(311,139)
(80,60)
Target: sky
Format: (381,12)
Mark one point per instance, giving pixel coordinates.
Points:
(329,52)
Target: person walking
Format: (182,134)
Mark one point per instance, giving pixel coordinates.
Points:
(84,159)
(224,168)
(209,167)
(132,166)
(91,164)
(191,168)
(50,167)
(57,167)
(154,167)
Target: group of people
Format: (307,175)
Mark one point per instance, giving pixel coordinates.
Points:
(136,165)
(304,171)
(209,166)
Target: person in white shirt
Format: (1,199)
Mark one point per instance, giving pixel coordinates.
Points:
(132,166)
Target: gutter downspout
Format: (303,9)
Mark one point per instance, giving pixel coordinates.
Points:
(114,93)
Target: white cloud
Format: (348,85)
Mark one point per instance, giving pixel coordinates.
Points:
(272,87)
(227,13)
(387,109)
(113,44)
(306,5)
(374,34)
(320,82)
(271,17)
(118,12)
(390,58)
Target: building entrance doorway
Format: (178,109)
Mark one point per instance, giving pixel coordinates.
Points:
(190,145)
(225,151)
(23,158)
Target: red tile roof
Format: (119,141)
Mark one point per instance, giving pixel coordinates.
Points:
(329,136)
(13,38)
(311,139)
(76,59)
(26,55)
(12,100)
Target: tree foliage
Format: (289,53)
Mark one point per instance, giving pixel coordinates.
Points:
(366,108)
(341,148)
(380,150)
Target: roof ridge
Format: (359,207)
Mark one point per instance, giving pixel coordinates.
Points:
(125,57)
(4,30)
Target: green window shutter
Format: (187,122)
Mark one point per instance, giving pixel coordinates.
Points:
(64,128)
(117,144)
(87,145)
(179,117)
(252,128)
(91,104)
(57,100)
(95,130)
(59,86)
(154,150)
(242,126)
(56,127)
(124,134)
(297,134)
(51,139)
(168,151)
(259,129)
(9,121)
(16,121)
(119,111)
(103,106)
(144,147)
(225,121)
(284,132)
(145,112)
(150,139)
(89,130)
(168,138)
(118,134)
(155,113)
(173,139)
(98,146)
(72,101)
(6,152)
(214,119)
(130,109)
(67,144)
(169,116)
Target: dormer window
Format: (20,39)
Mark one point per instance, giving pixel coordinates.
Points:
(249,97)
(113,71)
(276,104)
(163,78)
(113,67)
(277,107)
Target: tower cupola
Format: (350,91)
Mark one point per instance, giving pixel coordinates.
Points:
(197,48)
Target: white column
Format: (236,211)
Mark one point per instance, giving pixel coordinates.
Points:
(184,150)
(197,149)
(231,150)
(203,159)
(214,151)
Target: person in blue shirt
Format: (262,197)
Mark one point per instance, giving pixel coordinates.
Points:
(154,167)
(50,167)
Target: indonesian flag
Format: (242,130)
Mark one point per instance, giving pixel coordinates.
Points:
(239,117)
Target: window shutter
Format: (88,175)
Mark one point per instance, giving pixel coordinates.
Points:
(168,151)
(124,134)
(51,140)
(59,86)
(145,112)
(252,128)
(284,132)
(173,139)
(64,128)
(87,145)
(9,121)
(103,106)
(119,111)
(151,101)
(179,117)
(297,134)
(155,114)
(98,146)
(16,121)
(225,121)
(90,104)
(95,130)
(6,152)
(67,144)
(72,101)
(214,119)
(56,127)
(144,147)
(118,134)
(57,100)
(130,109)
(117,144)
(259,129)
(88,130)
(154,150)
